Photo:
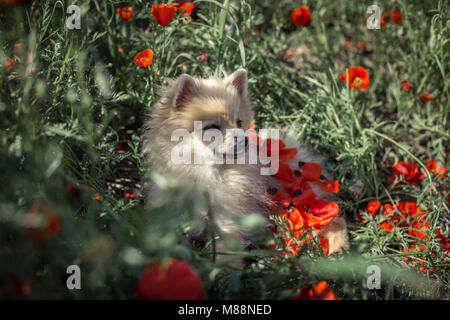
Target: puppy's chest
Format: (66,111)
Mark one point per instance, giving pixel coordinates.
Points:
(240,190)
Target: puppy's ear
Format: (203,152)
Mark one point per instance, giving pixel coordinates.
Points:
(185,85)
(239,80)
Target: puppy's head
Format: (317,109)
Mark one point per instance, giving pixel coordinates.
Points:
(215,107)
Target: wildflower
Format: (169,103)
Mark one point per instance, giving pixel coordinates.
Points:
(433,167)
(300,208)
(372,207)
(175,280)
(387,226)
(276,146)
(121,148)
(129,194)
(361,45)
(11,65)
(51,225)
(311,171)
(406,85)
(301,16)
(396,17)
(72,190)
(144,58)
(125,13)
(203,57)
(358,78)
(329,185)
(320,291)
(426,97)
(184,6)
(419,228)
(321,213)
(445,242)
(163,13)
(187,8)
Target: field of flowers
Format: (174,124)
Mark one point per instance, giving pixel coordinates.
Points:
(74,94)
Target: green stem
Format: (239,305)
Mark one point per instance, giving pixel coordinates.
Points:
(61,74)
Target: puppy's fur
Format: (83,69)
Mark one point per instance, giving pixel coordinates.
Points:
(233,189)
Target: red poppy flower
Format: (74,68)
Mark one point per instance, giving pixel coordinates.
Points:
(272,147)
(284,172)
(279,197)
(125,13)
(300,208)
(321,213)
(383,20)
(11,65)
(396,17)
(175,280)
(387,226)
(329,185)
(419,229)
(163,13)
(186,8)
(409,170)
(51,225)
(306,196)
(144,58)
(361,45)
(311,171)
(407,86)
(204,57)
(445,242)
(320,291)
(433,167)
(426,97)
(358,78)
(373,207)
(325,245)
(301,16)
(121,148)
(128,194)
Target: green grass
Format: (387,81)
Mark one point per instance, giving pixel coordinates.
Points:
(62,123)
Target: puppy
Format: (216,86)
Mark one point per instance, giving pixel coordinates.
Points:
(191,106)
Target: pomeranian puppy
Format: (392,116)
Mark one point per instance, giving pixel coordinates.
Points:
(193,108)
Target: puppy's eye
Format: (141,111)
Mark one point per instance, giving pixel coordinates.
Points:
(211,126)
(239,123)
